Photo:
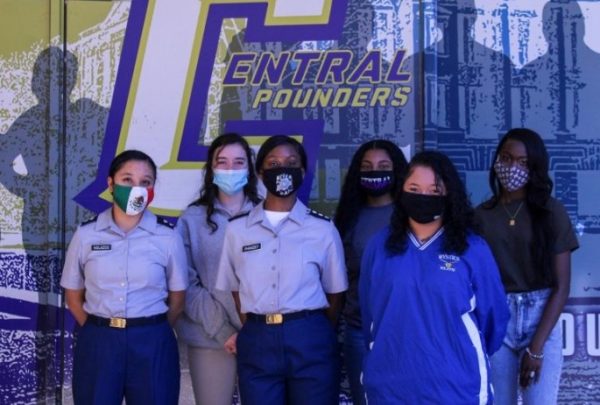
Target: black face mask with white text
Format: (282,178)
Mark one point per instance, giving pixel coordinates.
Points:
(423,208)
(377,182)
(282,181)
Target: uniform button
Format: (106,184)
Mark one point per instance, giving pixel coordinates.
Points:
(272,267)
(121,299)
(122,284)
(274,250)
(274,286)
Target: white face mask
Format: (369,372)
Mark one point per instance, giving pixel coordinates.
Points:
(512,177)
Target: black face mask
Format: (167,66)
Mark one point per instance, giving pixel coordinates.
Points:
(282,181)
(421,207)
(377,182)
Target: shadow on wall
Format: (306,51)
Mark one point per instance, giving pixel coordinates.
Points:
(465,88)
(560,90)
(29,169)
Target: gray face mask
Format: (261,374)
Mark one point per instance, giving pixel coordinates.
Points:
(512,177)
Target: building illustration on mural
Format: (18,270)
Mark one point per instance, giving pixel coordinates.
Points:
(469,84)
(32,330)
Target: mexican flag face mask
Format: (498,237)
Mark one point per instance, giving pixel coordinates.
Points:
(132,200)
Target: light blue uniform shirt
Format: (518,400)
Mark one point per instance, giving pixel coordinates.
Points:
(282,269)
(125,275)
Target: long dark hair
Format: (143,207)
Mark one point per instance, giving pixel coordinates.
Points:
(537,193)
(353,197)
(210,191)
(458,213)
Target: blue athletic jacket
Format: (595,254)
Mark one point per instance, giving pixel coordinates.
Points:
(431,319)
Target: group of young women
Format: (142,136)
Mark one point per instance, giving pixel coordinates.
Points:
(430,284)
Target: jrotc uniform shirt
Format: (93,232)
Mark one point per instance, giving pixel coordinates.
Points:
(282,269)
(125,274)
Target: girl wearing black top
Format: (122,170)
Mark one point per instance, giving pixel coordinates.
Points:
(374,176)
(532,239)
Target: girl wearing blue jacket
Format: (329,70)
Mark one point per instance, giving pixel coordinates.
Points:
(432,303)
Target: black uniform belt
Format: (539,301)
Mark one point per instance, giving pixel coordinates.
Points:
(126,322)
(275,319)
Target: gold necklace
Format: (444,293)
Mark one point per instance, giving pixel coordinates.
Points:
(512,217)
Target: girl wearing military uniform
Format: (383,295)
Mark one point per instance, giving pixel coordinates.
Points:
(285,266)
(125,277)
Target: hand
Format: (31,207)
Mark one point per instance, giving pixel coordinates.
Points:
(230,346)
(530,370)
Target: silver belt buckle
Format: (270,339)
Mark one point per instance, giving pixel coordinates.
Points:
(118,323)
(274,319)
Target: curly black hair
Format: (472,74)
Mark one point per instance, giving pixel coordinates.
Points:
(458,217)
(353,197)
(210,191)
(537,193)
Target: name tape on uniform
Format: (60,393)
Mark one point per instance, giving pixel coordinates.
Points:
(250,248)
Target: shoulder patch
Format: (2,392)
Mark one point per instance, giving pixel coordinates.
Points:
(243,214)
(90,221)
(318,215)
(162,221)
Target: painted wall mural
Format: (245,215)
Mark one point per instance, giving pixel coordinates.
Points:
(83,80)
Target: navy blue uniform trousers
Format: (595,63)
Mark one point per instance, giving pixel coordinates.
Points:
(139,363)
(296,362)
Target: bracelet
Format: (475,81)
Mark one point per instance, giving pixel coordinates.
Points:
(534,356)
